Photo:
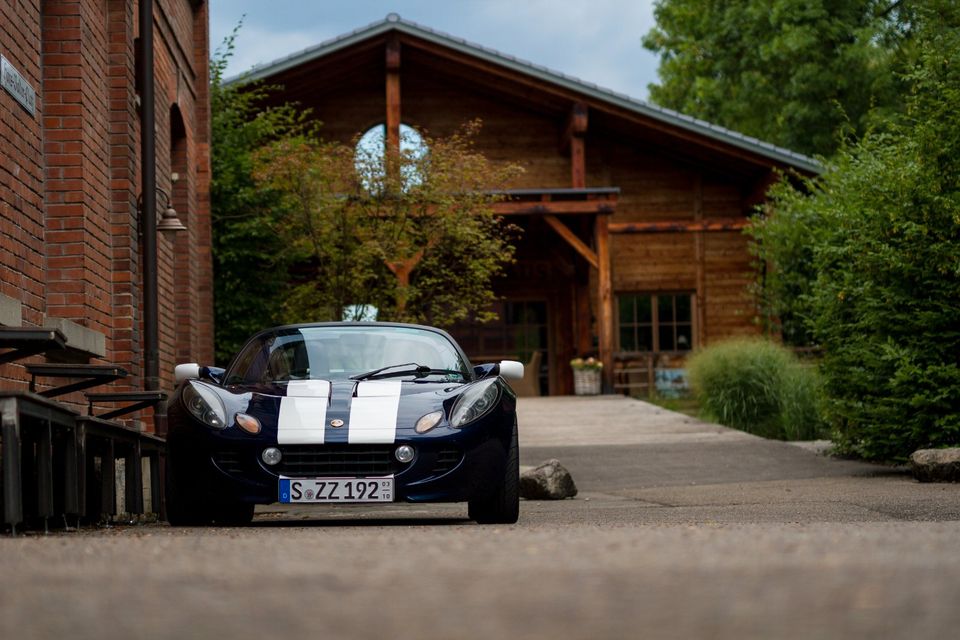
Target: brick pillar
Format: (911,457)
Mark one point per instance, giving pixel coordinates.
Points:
(124,168)
(76,152)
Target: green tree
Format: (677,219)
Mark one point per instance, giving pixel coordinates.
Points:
(783,245)
(249,258)
(413,235)
(883,300)
(796,73)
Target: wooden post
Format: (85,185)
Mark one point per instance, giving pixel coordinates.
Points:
(393,105)
(584,315)
(605,301)
(574,135)
(700,304)
(108,479)
(11,470)
(45,470)
(133,479)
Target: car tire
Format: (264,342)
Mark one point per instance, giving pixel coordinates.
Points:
(184,509)
(235,514)
(503,505)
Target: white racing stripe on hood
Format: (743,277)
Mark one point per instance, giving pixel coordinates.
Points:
(303,412)
(373,413)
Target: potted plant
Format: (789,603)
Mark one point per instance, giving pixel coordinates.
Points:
(586,376)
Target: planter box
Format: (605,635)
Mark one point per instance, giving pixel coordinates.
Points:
(586,382)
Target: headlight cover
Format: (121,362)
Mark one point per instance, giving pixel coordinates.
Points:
(204,404)
(475,401)
(248,423)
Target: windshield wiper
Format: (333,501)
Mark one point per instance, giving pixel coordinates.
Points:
(417,370)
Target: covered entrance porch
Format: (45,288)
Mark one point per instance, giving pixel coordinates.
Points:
(556,299)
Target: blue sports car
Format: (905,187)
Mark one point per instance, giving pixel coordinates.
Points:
(331,413)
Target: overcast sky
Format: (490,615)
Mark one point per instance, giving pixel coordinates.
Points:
(594,40)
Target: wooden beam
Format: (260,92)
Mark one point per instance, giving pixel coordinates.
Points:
(573,140)
(576,125)
(572,239)
(678,226)
(393,97)
(605,301)
(700,304)
(578,163)
(563,207)
(584,318)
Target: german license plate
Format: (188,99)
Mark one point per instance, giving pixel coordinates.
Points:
(295,490)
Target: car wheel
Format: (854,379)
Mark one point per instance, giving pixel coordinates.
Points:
(503,506)
(184,507)
(233,515)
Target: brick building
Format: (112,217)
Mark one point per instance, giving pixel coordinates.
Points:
(71,253)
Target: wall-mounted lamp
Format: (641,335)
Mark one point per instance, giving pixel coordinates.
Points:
(168,222)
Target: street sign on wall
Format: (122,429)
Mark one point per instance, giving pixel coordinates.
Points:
(17,86)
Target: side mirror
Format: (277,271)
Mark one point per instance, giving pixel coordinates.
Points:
(193,371)
(189,371)
(481,371)
(511,370)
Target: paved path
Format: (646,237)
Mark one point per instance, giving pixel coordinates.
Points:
(569,421)
(682,530)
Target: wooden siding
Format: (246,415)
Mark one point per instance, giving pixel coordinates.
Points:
(442,104)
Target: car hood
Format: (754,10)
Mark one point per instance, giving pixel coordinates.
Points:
(340,411)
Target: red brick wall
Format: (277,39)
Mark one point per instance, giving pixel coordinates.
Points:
(75,153)
(70,176)
(22,273)
(124,186)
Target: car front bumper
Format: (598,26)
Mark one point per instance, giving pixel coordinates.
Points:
(450,465)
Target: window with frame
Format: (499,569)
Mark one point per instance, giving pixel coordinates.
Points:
(655,322)
(370,154)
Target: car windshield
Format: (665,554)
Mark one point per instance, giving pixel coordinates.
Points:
(339,352)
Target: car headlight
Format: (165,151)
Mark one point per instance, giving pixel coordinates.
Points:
(475,401)
(204,404)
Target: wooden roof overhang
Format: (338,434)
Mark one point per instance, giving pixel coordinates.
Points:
(552,206)
(558,201)
(550,203)
(358,57)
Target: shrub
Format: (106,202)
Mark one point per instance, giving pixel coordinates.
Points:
(800,403)
(757,386)
(884,301)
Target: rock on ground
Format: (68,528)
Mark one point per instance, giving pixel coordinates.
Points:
(936,465)
(548,481)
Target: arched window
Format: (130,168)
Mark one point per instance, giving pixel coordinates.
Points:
(178,164)
(371,151)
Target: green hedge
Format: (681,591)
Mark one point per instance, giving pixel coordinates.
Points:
(757,386)
(869,260)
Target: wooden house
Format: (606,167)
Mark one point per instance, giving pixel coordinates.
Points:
(633,247)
